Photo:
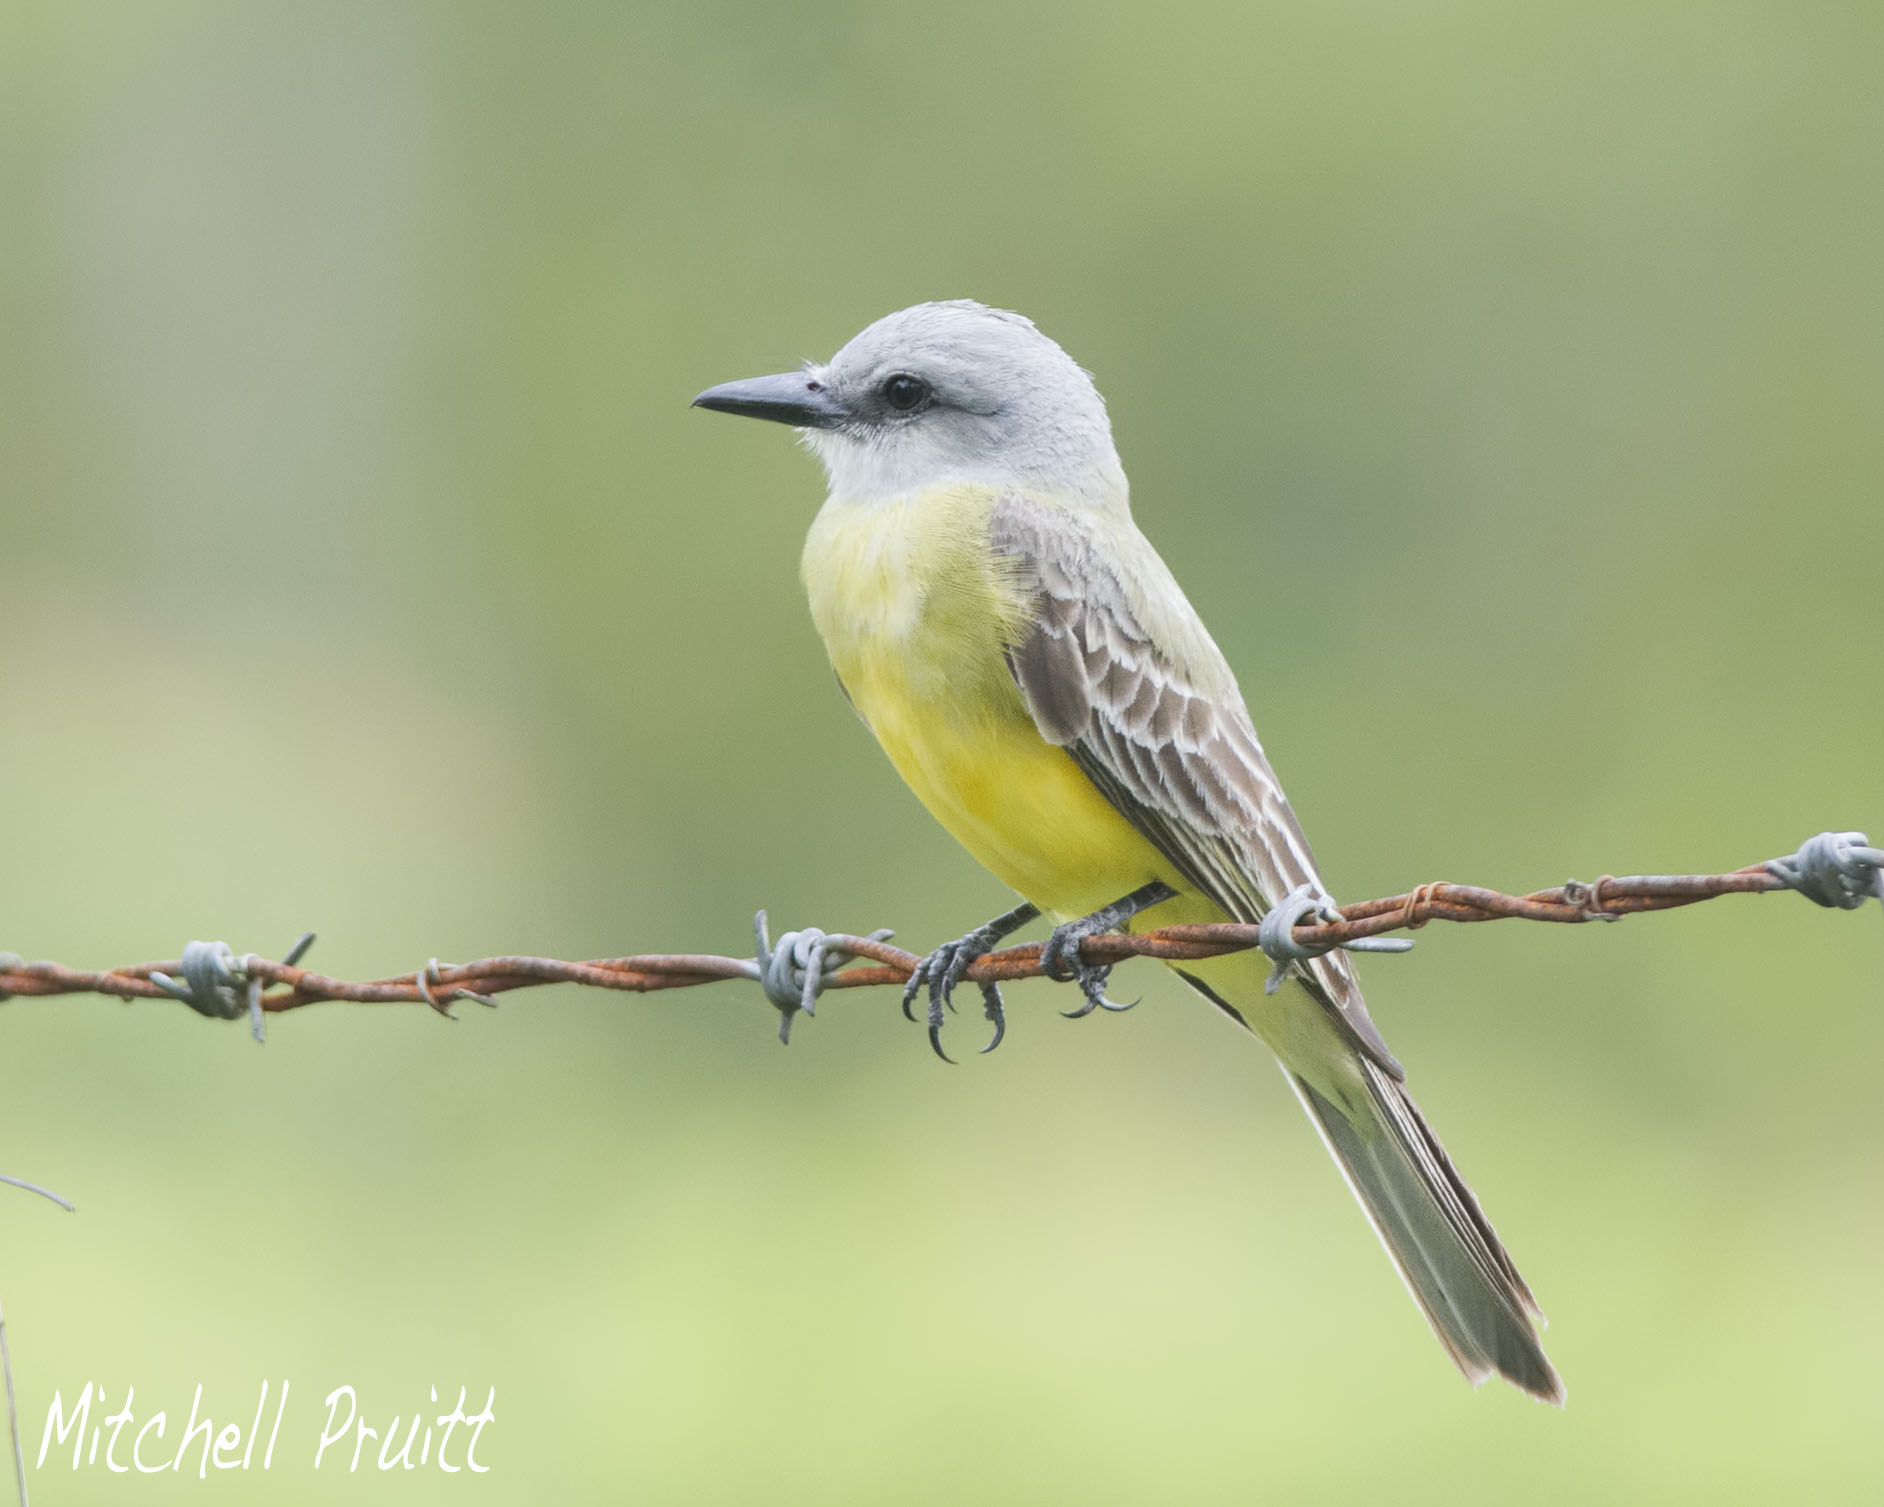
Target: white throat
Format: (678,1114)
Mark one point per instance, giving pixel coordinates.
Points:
(872,471)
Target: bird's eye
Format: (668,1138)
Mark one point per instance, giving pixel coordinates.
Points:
(905,393)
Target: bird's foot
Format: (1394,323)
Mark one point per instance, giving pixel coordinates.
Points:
(1060,959)
(944,968)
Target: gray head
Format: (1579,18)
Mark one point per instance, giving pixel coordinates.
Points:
(943,392)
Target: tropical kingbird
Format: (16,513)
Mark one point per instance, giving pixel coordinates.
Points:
(1036,676)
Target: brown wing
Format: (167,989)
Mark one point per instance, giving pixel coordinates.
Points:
(1177,758)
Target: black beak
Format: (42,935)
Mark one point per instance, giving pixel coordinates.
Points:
(789,398)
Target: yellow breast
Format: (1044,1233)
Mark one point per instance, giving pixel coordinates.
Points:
(915,610)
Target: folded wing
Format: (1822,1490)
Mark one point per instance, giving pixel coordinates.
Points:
(1125,678)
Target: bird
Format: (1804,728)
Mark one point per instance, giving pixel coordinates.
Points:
(1039,680)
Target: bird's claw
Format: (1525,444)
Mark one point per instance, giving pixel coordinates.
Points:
(1060,961)
(941,971)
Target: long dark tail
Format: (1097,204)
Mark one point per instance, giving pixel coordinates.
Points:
(1432,1226)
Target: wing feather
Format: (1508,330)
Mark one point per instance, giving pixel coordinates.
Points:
(1163,735)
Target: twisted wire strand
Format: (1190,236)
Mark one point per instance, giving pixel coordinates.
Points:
(1837,869)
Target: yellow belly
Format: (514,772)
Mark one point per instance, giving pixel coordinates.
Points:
(1017,803)
(914,614)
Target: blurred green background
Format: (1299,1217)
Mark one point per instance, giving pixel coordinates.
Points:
(1502,381)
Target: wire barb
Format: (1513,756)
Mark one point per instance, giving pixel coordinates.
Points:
(794,973)
(431,977)
(1839,870)
(1589,897)
(219,985)
(214,984)
(1276,936)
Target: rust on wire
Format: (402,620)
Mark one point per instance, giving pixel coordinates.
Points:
(288,987)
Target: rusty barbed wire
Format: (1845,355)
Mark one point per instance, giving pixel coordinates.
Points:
(1837,869)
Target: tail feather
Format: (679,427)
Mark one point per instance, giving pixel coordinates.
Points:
(1446,1250)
